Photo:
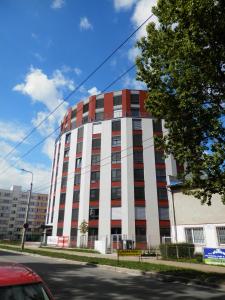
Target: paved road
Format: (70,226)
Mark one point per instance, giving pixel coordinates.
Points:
(71,281)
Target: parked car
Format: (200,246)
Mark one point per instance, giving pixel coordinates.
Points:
(18,282)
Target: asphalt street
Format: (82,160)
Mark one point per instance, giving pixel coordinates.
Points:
(71,281)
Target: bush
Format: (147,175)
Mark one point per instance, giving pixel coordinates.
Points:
(179,250)
(198,257)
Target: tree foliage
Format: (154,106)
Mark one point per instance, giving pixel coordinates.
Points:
(83,227)
(182,62)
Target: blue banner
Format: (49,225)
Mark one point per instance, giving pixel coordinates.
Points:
(214,256)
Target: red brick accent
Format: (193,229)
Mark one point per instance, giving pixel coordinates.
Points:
(116,166)
(115,203)
(116,183)
(96,135)
(64,173)
(140,223)
(63,190)
(115,133)
(76,205)
(61,206)
(116,149)
(115,223)
(76,187)
(96,151)
(139,202)
(139,183)
(93,223)
(163,203)
(74,224)
(95,168)
(108,105)
(94,203)
(79,114)
(94,185)
(138,166)
(92,104)
(126,102)
(164,223)
(60,224)
(161,184)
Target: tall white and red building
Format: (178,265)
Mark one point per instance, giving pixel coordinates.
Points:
(108,172)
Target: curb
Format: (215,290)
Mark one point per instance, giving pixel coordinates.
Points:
(133,272)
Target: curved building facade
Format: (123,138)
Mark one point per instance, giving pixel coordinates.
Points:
(106,171)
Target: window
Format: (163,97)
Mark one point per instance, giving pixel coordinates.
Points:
(117,113)
(157,125)
(95,176)
(116,230)
(66,153)
(163,213)
(93,213)
(99,116)
(74,113)
(76,196)
(94,194)
(116,174)
(139,213)
(116,193)
(159,159)
(138,157)
(78,162)
(137,140)
(194,235)
(68,137)
(80,132)
(116,213)
(64,182)
(161,175)
(96,143)
(85,119)
(79,147)
(100,103)
(61,215)
(95,159)
(116,141)
(117,100)
(92,231)
(65,166)
(136,124)
(134,98)
(135,112)
(73,232)
(140,234)
(62,198)
(116,158)
(221,235)
(77,179)
(138,175)
(85,108)
(162,193)
(116,126)
(75,212)
(139,193)
(59,231)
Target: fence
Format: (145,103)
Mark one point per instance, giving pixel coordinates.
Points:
(182,250)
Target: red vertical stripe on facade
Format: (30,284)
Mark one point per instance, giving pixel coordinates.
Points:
(142,98)
(79,114)
(92,105)
(126,102)
(108,105)
(69,118)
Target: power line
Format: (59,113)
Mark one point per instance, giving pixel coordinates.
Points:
(77,88)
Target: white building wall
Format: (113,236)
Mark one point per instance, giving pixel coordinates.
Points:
(58,186)
(70,184)
(151,197)
(85,177)
(127,179)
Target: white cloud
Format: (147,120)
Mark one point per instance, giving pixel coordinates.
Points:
(93,91)
(123,4)
(131,82)
(133,53)
(56,4)
(77,71)
(85,24)
(11,131)
(48,147)
(5,148)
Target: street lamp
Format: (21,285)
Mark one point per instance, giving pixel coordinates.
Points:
(25,226)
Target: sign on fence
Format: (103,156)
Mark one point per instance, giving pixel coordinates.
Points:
(214,256)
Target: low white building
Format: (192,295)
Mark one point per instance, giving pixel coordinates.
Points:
(192,222)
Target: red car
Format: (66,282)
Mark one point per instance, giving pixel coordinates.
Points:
(17,282)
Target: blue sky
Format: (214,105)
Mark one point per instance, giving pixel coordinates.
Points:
(47,48)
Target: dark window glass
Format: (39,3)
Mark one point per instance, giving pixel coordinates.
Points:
(64,182)
(78,162)
(68,137)
(157,125)
(138,157)
(93,213)
(75,212)
(80,132)
(85,108)
(134,98)
(138,175)
(92,231)
(85,120)
(159,157)
(116,141)
(116,126)
(99,116)
(162,193)
(77,179)
(116,175)
(137,140)
(65,166)
(76,196)
(94,194)
(139,193)
(117,100)
(161,175)
(73,124)
(79,147)
(116,230)
(136,124)
(135,112)
(163,213)
(95,159)
(96,143)
(164,232)
(74,114)
(116,157)
(59,231)
(62,198)
(116,193)
(100,103)
(61,215)
(66,153)
(73,232)
(95,176)
(140,234)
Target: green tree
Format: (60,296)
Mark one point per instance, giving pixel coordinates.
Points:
(83,227)
(182,62)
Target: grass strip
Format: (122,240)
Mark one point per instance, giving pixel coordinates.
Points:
(72,249)
(201,277)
